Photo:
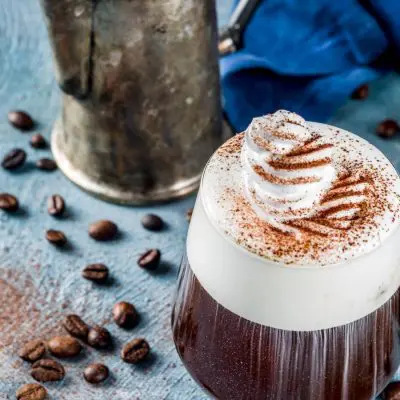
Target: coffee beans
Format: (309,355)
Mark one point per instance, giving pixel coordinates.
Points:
(360,93)
(150,259)
(38,141)
(55,205)
(14,159)
(152,222)
(135,351)
(56,238)
(189,214)
(47,371)
(32,351)
(20,120)
(76,327)
(103,230)
(387,128)
(95,272)
(99,337)
(31,391)
(8,202)
(96,373)
(392,391)
(125,314)
(46,164)
(64,346)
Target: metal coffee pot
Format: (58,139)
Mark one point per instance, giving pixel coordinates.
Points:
(141,101)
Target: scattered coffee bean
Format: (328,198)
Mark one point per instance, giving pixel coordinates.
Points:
(8,202)
(76,327)
(135,351)
(31,391)
(14,159)
(387,128)
(103,230)
(20,120)
(96,373)
(360,93)
(99,337)
(152,222)
(189,214)
(47,371)
(38,141)
(125,314)
(64,346)
(57,238)
(95,272)
(55,205)
(392,391)
(150,259)
(46,164)
(32,351)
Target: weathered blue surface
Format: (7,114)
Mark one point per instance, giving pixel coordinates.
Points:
(38,283)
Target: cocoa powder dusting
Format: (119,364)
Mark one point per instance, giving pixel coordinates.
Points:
(281,181)
(15,307)
(268,239)
(20,313)
(338,226)
(232,146)
(283,164)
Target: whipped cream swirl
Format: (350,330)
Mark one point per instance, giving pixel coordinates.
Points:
(287,168)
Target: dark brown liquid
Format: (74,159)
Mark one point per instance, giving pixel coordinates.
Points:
(233,358)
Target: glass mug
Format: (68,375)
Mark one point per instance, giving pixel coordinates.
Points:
(247,327)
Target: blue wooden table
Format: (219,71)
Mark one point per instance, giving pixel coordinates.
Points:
(39,284)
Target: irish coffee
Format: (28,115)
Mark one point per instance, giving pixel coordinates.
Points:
(290,286)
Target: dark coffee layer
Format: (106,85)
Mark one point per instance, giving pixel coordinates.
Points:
(233,358)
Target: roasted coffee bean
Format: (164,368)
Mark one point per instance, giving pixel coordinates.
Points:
(96,373)
(125,314)
(20,120)
(387,128)
(392,391)
(103,230)
(150,259)
(75,326)
(189,214)
(135,351)
(8,202)
(95,272)
(64,346)
(14,159)
(55,205)
(46,164)
(32,351)
(152,222)
(31,391)
(99,337)
(38,141)
(360,93)
(47,371)
(57,238)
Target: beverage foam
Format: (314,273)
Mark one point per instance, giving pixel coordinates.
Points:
(306,193)
(316,267)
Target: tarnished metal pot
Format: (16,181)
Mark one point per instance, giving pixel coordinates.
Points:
(141,105)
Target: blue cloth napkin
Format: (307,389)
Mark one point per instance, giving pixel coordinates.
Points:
(308,56)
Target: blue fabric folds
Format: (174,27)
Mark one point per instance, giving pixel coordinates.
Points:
(308,56)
